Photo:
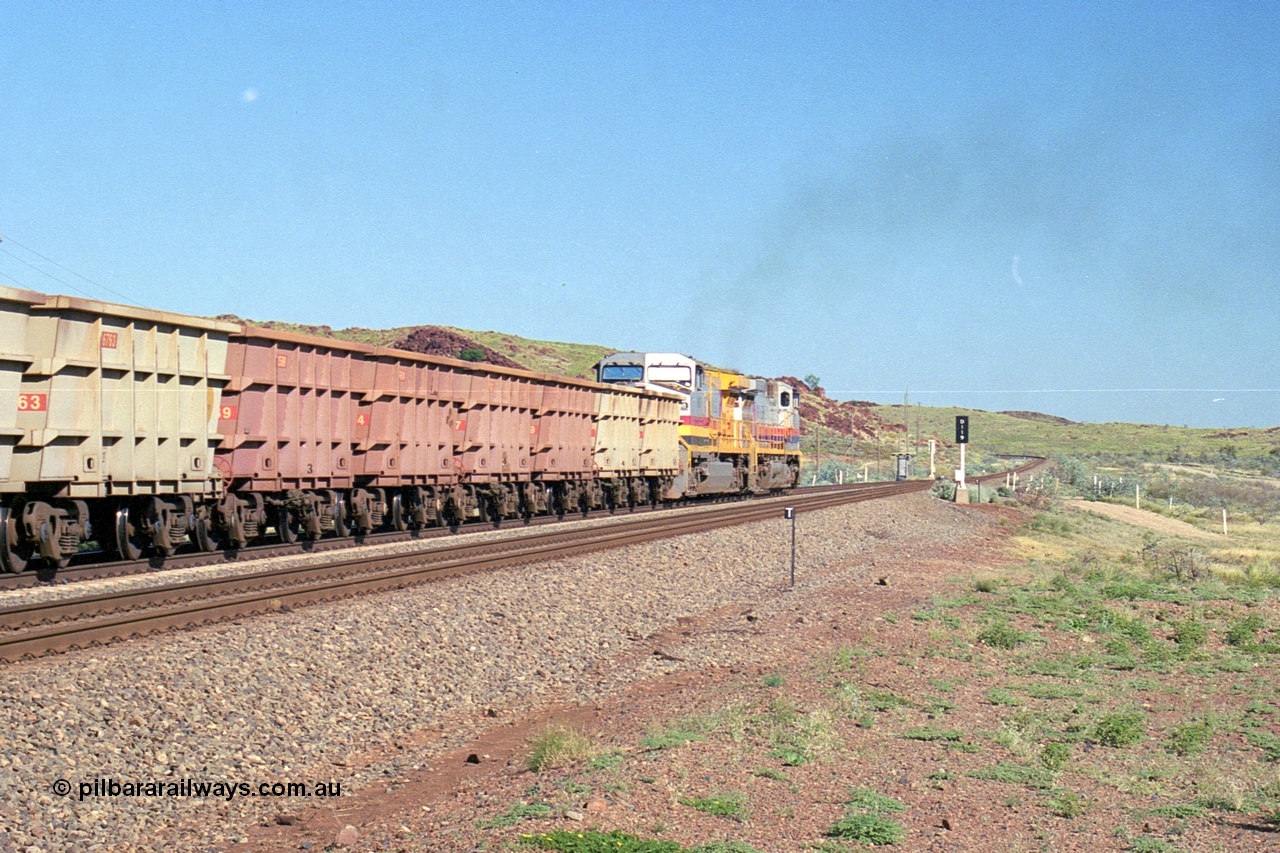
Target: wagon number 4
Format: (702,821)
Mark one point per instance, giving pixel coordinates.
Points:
(33,402)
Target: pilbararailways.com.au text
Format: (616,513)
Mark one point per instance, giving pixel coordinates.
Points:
(194,788)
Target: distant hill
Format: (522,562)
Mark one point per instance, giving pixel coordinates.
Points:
(561,359)
(1039,416)
(857,419)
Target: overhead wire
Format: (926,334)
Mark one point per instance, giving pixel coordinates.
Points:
(5,238)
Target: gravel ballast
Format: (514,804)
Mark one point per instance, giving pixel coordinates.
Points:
(306,696)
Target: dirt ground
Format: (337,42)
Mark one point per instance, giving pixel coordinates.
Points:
(1150,520)
(863,689)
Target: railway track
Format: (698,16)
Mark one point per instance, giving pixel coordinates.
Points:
(197,559)
(50,627)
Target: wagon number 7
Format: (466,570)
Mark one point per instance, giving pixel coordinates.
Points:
(33,402)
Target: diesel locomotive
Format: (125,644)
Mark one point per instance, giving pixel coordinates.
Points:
(147,432)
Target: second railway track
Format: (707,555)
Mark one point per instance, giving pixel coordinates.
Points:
(49,627)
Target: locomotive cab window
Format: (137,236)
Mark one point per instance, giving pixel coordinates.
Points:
(621,373)
(785,400)
(670,375)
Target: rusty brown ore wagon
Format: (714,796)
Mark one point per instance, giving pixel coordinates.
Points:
(146,432)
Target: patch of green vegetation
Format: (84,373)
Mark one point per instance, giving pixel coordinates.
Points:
(1067,804)
(607,760)
(1190,635)
(930,733)
(1151,844)
(1177,811)
(686,730)
(1016,774)
(1054,691)
(1055,755)
(1068,666)
(1120,729)
(1190,738)
(769,773)
(1265,741)
(883,700)
(517,813)
(594,841)
(1002,635)
(1002,696)
(798,738)
(732,805)
(1244,633)
(774,681)
(558,746)
(864,819)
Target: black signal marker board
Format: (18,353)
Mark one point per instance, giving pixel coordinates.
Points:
(962,429)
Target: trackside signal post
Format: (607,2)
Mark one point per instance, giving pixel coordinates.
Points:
(789,513)
(962,438)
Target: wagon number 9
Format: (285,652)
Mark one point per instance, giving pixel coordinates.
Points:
(33,402)
(227,413)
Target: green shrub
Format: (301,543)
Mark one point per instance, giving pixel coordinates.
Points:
(864,819)
(732,805)
(928,733)
(868,829)
(1190,739)
(866,799)
(518,813)
(1150,844)
(1015,774)
(1054,755)
(1245,632)
(1123,728)
(1001,635)
(1067,804)
(1267,742)
(1190,634)
(558,746)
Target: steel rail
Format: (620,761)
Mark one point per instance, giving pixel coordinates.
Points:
(172,607)
(197,559)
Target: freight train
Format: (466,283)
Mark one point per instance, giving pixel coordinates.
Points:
(147,432)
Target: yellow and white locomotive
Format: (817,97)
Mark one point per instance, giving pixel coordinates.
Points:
(738,433)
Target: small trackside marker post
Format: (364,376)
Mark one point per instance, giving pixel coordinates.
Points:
(790,513)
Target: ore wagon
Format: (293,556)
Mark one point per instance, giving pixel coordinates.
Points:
(110,426)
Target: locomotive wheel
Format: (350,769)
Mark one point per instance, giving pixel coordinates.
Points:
(129,539)
(13,555)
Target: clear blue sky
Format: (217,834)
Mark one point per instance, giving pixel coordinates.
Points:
(960,198)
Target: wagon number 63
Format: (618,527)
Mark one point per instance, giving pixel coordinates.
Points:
(33,402)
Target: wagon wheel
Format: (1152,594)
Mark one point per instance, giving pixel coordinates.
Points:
(341,526)
(399,521)
(129,539)
(14,555)
(288,526)
(203,536)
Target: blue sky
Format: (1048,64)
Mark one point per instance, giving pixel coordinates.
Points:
(974,200)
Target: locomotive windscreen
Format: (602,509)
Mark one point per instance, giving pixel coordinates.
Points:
(622,373)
